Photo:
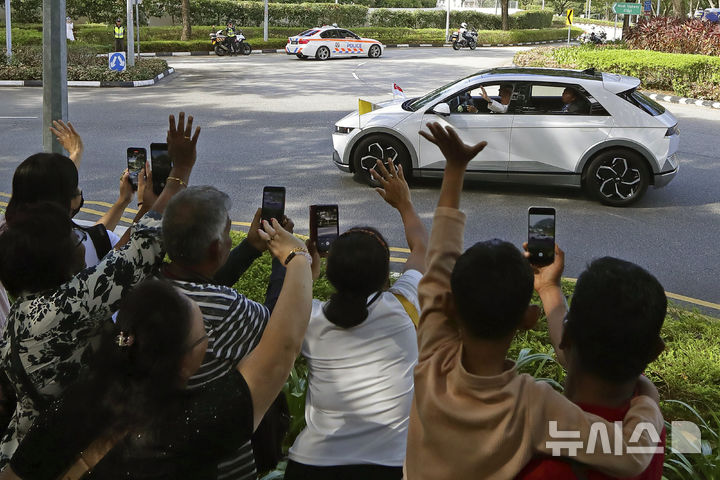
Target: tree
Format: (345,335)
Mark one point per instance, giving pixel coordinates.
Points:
(679,8)
(185,13)
(504,14)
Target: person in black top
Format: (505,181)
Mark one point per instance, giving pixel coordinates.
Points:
(135,396)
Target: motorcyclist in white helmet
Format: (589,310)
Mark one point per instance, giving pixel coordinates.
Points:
(463,32)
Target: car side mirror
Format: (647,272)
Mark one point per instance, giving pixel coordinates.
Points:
(442,109)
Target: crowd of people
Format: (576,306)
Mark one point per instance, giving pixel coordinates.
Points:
(133,356)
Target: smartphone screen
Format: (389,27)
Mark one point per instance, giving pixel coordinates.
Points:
(161,165)
(136,158)
(324,226)
(273,203)
(541,235)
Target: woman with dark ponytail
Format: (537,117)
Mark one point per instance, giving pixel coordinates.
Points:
(361,349)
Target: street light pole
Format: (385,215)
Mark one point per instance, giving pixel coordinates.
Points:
(8,32)
(130,26)
(137,20)
(55,99)
(447,20)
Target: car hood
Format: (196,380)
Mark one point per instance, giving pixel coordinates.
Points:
(387,114)
(616,83)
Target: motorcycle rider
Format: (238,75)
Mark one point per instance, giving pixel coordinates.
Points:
(230,33)
(463,32)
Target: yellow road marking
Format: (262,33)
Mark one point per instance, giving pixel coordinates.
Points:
(674,296)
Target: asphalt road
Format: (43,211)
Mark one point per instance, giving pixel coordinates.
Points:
(267,120)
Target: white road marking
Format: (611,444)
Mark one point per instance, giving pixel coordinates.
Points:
(16,118)
(355,75)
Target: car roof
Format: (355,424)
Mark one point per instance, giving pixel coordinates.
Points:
(612,82)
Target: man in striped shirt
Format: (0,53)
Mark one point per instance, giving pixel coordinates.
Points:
(196,235)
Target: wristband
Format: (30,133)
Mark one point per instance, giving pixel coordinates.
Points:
(298,251)
(179,180)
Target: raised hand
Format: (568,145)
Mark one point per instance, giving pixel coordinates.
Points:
(394,189)
(280,242)
(548,275)
(126,190)
(456,152)
(69,139)
(145,194)
(181,146)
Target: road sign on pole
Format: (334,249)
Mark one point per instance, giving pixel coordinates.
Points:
(569,16)
(624,8)
(116,61)
(647,7)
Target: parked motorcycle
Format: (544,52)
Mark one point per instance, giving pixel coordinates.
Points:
(458,41)
(221,48)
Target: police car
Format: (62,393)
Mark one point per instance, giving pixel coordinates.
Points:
(330,41)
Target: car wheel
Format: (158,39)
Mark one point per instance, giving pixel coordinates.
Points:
(219,51)
(301,56)
(379,147)
(246,49)
(323,53)
(456,46)
(375,51)
(617,177)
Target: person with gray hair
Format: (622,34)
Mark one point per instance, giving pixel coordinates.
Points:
(196,236)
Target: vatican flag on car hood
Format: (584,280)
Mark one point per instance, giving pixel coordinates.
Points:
(364,107)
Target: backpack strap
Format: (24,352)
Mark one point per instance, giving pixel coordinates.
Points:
(409,308)
(18,369)
(100,239)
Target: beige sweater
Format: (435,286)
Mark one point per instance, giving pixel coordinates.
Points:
(464,426)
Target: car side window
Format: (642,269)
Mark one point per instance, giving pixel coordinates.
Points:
(328,34)
(471,101)
(349,34)
(558,99)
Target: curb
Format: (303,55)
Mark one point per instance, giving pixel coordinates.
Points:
(683,100)
(83,83)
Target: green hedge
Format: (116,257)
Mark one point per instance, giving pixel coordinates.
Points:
(436,19)
(83,64)
(374,3)
(696,76)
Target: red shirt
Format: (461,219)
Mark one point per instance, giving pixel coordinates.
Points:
(558,469)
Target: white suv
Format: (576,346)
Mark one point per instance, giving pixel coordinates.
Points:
(613,141)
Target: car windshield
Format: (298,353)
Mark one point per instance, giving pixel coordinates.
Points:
(308,33)
(643,102)
(434,95)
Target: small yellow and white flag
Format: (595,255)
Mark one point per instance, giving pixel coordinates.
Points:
(364,106)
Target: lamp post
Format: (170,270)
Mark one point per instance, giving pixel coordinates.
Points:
(8,33)
(55,99)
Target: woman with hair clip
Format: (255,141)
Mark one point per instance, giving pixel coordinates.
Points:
(361,349)
(131,417)
(59,303)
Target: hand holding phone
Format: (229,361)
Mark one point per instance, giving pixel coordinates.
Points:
(541,235)
(273,203)
(136,158)
(324,226)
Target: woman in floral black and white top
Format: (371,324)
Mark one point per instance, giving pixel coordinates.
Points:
(59,305)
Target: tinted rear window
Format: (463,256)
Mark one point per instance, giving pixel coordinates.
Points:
(643,102)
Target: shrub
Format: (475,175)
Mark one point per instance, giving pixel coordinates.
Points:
(83,64)
(685,75)
(675,35)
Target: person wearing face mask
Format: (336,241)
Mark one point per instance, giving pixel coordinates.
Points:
(59,303)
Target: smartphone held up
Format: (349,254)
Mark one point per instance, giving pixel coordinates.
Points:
(324,226)
(136,158)
(161,165)
(273,203)
(541,235)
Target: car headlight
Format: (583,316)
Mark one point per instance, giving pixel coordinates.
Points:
(343,129)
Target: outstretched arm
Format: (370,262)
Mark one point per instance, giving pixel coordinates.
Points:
(113,215)
(547,285)
(70,140)
(395,191)
(446,242)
